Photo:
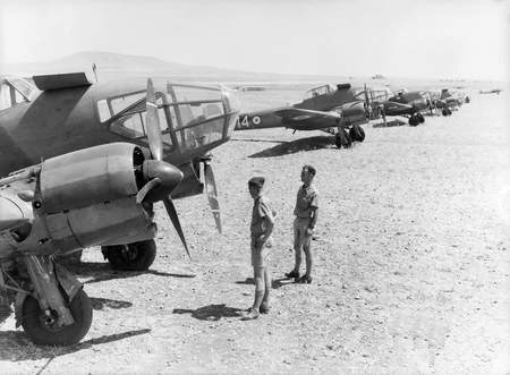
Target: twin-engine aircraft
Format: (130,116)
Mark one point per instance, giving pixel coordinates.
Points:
(338,109)
(448,101)
(101,195)
(65,113)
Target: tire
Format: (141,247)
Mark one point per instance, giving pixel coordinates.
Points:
(444,112)
(413,121)
(35,324)
(357,133)
(137,256)
(342,139)
(420,118)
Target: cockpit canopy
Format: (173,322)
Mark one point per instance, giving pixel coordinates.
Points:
(190,116)
(319,90)
(15,90)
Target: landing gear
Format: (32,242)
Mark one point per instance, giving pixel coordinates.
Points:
(357,133)
(342,139)
(446,112)
(420,118)
(413,120)
(137,256)
(51,304)
(42,326)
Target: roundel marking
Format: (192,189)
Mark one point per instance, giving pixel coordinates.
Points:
(256,120)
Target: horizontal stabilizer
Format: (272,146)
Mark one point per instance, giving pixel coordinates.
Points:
(61,81)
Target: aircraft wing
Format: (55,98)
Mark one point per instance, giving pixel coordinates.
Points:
(298,114)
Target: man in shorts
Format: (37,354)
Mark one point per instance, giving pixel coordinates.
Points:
(307,213)
(262,222)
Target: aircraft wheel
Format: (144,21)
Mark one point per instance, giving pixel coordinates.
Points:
(342,139)
(357,133)
(420,118)
(137,256)
(43,330)
(413,121)
(446,112)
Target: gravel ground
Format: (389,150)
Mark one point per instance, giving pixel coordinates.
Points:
(411,264)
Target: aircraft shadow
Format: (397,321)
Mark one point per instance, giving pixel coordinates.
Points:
(102,303)
(103,272)
(212,312)
(256,140)
(303,144)
(16,346)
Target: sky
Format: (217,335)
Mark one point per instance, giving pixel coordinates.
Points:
(397,38)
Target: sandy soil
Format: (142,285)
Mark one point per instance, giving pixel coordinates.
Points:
(411,264)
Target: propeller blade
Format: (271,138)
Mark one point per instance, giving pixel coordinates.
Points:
(212,194)
(172,213)
(383,114)
(367,100)
(140,196)
(152,123)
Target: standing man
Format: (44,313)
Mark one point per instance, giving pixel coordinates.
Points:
(262,222)
(306,211)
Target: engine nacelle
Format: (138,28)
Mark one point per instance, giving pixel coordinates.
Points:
(89,176)
(83,199)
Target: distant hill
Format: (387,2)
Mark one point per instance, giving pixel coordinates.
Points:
(112,65)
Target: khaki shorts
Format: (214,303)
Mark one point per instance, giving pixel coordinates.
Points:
(260,253)
(301,239)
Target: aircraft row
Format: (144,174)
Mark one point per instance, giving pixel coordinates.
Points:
(341,109)
(83,162)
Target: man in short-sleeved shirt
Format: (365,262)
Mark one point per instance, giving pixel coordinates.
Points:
(262,222)
(306,212)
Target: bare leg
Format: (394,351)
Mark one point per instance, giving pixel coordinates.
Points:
(267,289)
(309,260)
(259,287)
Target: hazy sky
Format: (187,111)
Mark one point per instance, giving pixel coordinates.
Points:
(419,38)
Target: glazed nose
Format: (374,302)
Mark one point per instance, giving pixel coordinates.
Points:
(11,216)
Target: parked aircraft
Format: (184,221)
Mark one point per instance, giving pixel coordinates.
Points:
(413,105)
(324,107)
(98,196)
(491,91)
(67,112)
(449,101)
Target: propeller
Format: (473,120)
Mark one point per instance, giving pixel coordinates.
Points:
(367,102)
(162,178)
(212,193)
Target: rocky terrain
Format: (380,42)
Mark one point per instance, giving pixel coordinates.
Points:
(411,269)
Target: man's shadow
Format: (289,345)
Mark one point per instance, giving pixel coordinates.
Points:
(275,283)
(212,312)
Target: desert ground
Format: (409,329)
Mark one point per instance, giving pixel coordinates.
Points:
(411,262)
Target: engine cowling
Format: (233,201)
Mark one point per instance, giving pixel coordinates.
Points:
(89,176)
(86,198)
